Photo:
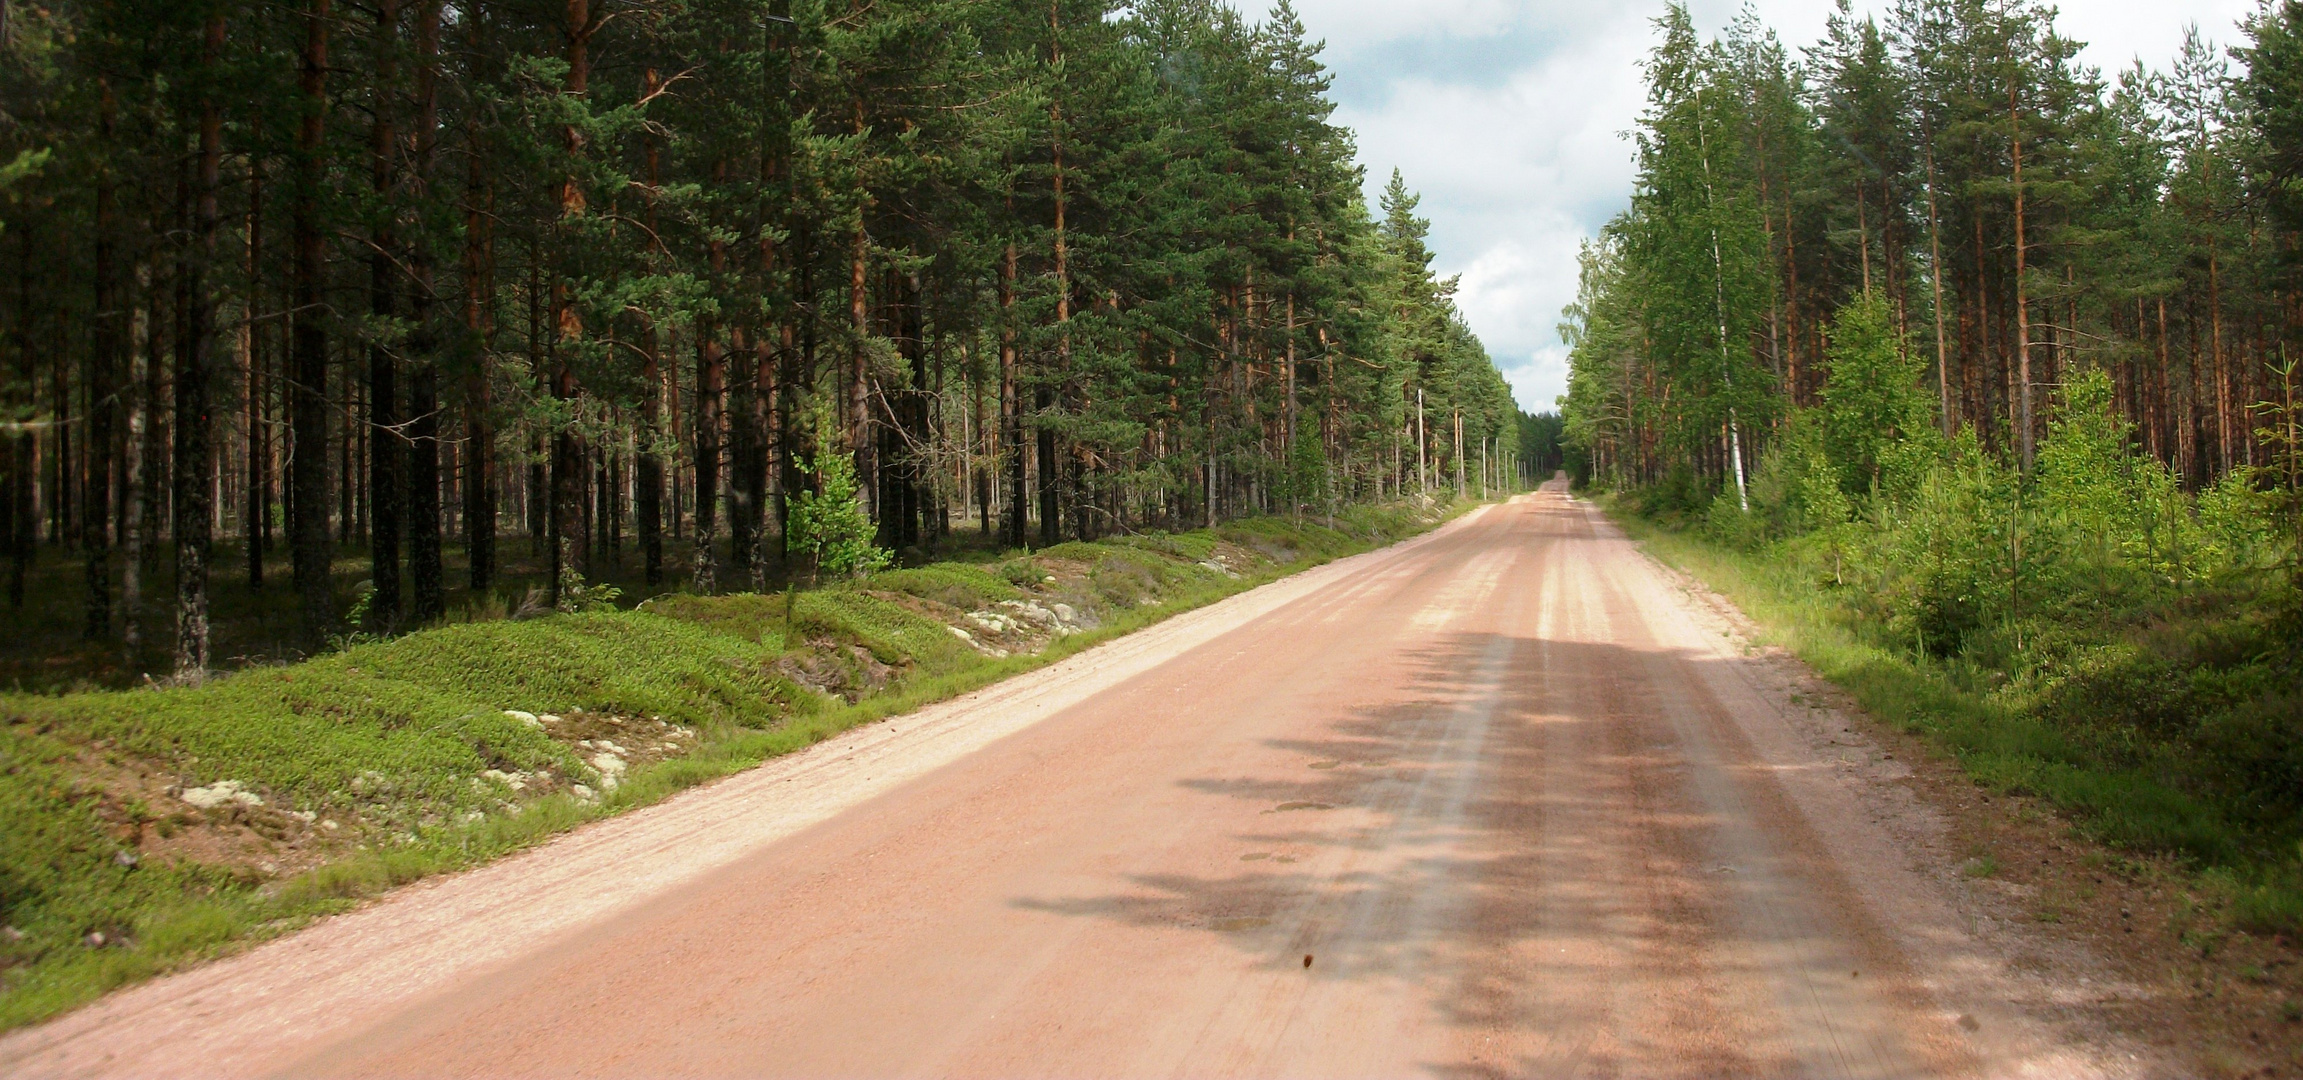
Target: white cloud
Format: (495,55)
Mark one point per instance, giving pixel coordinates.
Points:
(1508,116)
(1509,294)
(1349,25)
(1515,173)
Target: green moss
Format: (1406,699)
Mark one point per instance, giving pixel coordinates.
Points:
(961,586)
(751,617)
(1073,550)
(1189,547)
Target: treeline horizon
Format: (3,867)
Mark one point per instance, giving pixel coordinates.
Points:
(2022,217)
(416,275)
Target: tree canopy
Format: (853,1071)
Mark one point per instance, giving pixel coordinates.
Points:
(1950,201)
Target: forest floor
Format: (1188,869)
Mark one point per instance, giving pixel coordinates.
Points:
(148,829)
(2177,970)
(1508,799)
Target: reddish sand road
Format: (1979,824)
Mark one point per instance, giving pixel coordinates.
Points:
(1500,801)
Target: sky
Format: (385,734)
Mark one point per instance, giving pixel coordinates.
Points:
(1511,119)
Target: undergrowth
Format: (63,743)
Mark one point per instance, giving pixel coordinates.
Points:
(394,760)
(2090,634)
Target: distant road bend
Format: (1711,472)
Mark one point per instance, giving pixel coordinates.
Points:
(1500,801)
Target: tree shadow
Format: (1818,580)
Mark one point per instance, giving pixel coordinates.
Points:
(1518,794)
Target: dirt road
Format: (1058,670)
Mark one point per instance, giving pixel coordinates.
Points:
(1499,801)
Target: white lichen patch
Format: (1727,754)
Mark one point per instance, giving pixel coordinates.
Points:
(220,793)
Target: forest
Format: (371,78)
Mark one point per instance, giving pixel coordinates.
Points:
(1978,364)
(2022,217)
(344,317)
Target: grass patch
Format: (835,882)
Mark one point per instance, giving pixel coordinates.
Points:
(123,854)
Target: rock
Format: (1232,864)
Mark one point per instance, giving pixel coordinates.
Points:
(527,718)
(268,868)
(992,622)
(961,634)
(1030,611)
(330,825)
(125,859)
(11,934)
(611,769)
(475,817)
(517,781)
(547,718)
(582,791)
(222,792)
(305,816)
(1064,613)
(95,939)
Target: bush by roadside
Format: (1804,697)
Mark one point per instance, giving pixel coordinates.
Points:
(2159,707)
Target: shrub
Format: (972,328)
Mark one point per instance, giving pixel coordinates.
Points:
(829,524)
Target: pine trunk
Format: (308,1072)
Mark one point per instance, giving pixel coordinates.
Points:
(308,469)
(195,482)
(1011,408)
(426,576)
(479,427)
(2023,418)
(569,457)
(102,376)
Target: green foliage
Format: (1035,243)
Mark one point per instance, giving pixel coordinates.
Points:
(2092,634)
(955,585)
(578,596)
(1306,478)
(1021,573)
(1879,420)
(2274,88)
(829,524)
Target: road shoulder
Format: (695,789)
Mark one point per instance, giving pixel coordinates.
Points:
(1980,941)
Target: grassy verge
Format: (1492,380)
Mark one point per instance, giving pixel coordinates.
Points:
(2206,788)
(145,830)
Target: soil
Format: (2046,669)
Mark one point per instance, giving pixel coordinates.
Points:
(140,801)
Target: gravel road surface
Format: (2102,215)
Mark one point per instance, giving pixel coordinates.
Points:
(1504,800)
